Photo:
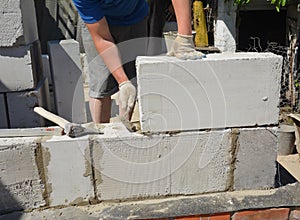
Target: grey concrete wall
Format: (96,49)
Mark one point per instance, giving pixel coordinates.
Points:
(222,90)
(225,27)
(67,80)
(21,104)
(17,23)
(20,184)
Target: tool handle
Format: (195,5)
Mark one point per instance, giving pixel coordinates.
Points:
(51,117)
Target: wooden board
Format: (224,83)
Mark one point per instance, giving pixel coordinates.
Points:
(291,163)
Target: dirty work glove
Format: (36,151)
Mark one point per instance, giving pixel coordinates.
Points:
(183,48)
(127,95)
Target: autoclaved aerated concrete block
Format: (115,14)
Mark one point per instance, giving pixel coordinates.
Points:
(3,113)
(222,90)
(21,104)
(255,166)
(20,184)
(20,67)
(67,80)
(18,23)
(129,165)
(67,170)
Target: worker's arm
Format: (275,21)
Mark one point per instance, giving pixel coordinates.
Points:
(109,52)
(106,48)
(183,46)
(183,12)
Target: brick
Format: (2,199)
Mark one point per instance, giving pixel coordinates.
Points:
(256,159)
(274,214)
(3,112)
(18,25)
(188,218)
(67,170)
(20,67)
(20,183)
(206,217)
(225,216)
(67,80)
(130,165)
(21,104)
(295,214)
(178,94)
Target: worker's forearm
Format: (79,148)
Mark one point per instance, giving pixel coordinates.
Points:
(183,16)
(110,54)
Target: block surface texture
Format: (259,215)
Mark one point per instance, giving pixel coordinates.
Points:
(20,67)
(3,112)
(67,170)
(21,104)
(17,22)
(67,80)
(222,90)
(256,158)
(20,183)
(129,165)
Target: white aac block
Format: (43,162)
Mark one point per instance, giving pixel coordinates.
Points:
(256,158)
(67,80)
(20,184)
(67,170)
(21,104)
(3,112)
(18,23)
(20,67)
(203,165)
(129,165)
(222,90)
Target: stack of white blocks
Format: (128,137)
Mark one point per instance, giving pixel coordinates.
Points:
(22,85)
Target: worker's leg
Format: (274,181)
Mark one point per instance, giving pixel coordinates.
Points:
(100,109)
(156,22)
(183,16)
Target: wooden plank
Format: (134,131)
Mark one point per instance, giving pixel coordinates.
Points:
(291,163)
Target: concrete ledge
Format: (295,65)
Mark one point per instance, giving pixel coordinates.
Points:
(220,91)
(177,206)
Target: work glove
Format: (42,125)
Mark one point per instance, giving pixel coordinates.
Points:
(183,48)
(127,95)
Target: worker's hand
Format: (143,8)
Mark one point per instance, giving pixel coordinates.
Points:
(183,48)
(127,95)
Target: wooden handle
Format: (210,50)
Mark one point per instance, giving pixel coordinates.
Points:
(51,117)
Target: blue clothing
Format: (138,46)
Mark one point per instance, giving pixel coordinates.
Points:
(116,12)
